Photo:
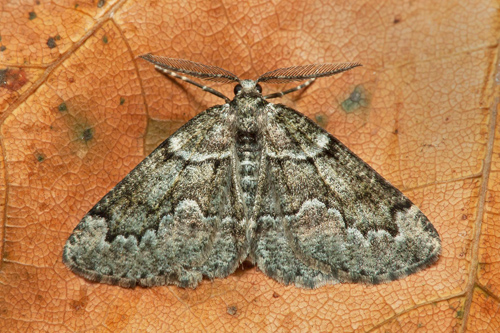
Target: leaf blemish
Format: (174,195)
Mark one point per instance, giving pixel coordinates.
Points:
(63,107)
(356,100)
(87,134)
(39,157)
(321,119)
(51,43)
(232,310)
(12,78)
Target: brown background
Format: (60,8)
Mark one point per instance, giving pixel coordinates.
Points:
(78,111)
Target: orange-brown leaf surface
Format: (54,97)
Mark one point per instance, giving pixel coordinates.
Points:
(78,110)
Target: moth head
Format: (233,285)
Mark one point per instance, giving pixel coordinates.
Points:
(247,88)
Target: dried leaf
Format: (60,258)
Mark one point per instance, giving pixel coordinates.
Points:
(78,111)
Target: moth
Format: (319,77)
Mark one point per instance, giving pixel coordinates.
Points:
(251,180)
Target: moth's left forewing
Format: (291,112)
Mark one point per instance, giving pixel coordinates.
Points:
(171,220)
(338,215)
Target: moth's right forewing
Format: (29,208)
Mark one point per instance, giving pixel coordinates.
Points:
(332,213)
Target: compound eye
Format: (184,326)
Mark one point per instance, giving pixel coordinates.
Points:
(259,88)
(237,89)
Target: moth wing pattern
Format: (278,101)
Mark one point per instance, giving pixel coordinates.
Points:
(325,216)
(251,179)
(171,220)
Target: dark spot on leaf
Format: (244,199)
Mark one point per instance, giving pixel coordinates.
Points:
(100,3)
(87,134)
(57,37)
(357,99)
(2,48)
(232,310)
(76,115)
(105,39)
(76,6)
(63,107)
(397,19)
(39,157)
(355,96)
(321,119)
(122,100)
(2,77)
(12,78)
(51,43)
(276,295)
(79,305)
(32,15)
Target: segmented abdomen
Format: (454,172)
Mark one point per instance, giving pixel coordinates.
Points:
(248,149)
